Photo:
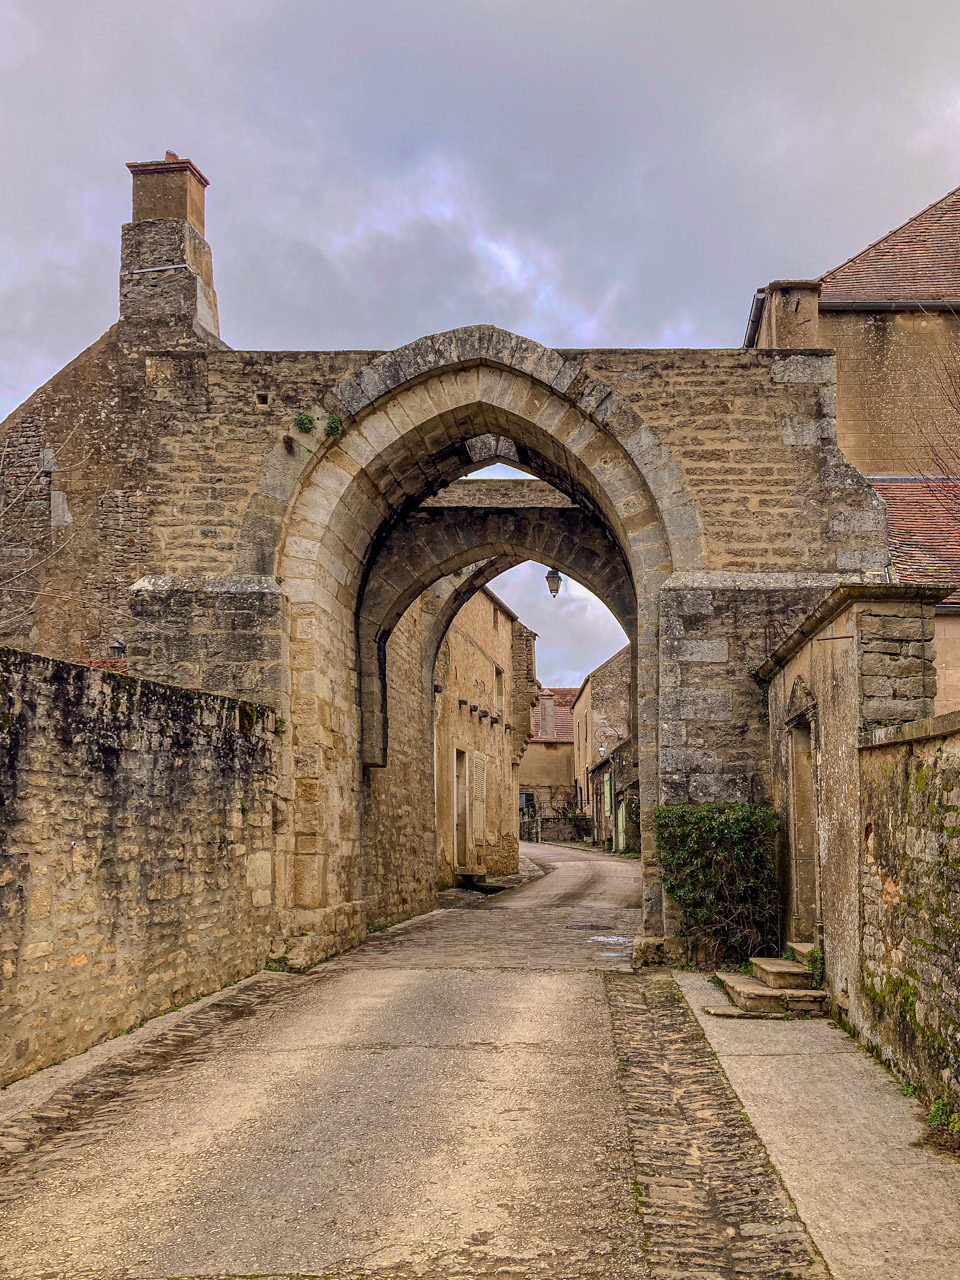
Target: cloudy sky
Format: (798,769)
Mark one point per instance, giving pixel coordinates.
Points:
(617,172)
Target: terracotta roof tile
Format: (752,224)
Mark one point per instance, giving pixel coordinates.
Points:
(917,262)
(924,533)
(563,700)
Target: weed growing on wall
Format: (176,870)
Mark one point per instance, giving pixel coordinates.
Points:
(817,966)
(718,866)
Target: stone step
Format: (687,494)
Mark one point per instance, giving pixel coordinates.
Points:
(756,997)
(781,973)
(800,949)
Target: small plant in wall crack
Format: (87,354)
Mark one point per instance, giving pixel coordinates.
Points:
(817,966)
(304,422)
(764,687)
(333,428)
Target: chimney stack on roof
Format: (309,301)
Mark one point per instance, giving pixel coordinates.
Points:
(168,188)
(167,298)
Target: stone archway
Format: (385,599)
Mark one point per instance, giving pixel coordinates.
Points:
(498,523)
(435,541)
(414,422)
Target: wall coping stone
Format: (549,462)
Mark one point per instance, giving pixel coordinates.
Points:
(130,680)
(914,731)
(846,594)
(721,580)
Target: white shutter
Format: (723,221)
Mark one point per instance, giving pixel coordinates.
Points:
(478,795)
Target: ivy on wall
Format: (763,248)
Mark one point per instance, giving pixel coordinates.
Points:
(718,866)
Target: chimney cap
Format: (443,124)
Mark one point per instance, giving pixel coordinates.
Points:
(171,163)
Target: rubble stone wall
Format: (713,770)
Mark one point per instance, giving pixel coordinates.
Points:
(910,894)
(857,681)
(136,852)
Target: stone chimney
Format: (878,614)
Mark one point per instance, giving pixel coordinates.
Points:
(548,721)
(167,297)
(791,315)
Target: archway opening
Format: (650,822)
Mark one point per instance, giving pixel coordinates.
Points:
(373,524)
(480,716)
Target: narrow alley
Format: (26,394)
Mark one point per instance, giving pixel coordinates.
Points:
(478,1092)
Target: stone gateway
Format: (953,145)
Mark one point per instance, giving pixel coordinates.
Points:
(258,525)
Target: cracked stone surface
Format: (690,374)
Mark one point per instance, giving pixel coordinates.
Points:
(480,1092)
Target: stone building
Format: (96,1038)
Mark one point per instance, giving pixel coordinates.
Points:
(601,722)
(866,778)
(891,315)
(863,693)
(547,795)
(479,749)
(265,527)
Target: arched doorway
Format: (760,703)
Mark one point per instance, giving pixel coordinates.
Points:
(422,418)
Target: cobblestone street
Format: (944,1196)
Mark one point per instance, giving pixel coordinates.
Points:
(479,1092)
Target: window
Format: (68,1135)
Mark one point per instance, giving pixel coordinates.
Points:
(496,618)
(498,690)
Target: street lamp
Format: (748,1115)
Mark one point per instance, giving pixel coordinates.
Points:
(553,581)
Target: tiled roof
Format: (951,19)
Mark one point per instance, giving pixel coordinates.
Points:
(924,521)
(918,262)
(562,715)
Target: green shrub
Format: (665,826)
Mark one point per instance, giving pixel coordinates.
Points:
(718,866)
(304,422)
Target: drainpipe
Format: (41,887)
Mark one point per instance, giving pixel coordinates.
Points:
(753,323)
(613,806)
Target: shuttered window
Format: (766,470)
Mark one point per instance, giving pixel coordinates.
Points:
(478,794)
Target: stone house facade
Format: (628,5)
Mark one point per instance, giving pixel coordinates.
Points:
(547,797)
(890,313)
(865,777)
(601,722)
(479,749)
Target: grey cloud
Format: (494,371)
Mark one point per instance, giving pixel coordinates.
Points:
(616,173)
(575,631)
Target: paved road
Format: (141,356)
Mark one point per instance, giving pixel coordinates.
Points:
(482,1092)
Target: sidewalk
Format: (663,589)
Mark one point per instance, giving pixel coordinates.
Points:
(844,1140)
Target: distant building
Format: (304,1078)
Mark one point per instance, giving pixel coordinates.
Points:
(601,739)
(547,793)
(601,719)
(484,681)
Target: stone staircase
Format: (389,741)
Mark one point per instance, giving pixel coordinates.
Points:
(776,986)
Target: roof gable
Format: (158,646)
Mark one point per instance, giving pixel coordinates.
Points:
(916,262)
(563,700)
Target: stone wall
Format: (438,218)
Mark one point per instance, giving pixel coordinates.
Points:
(137,844)
(715,631)
(546,770)
(398,848)
(858,671)
(910,893)
(891,368)
(471,718)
